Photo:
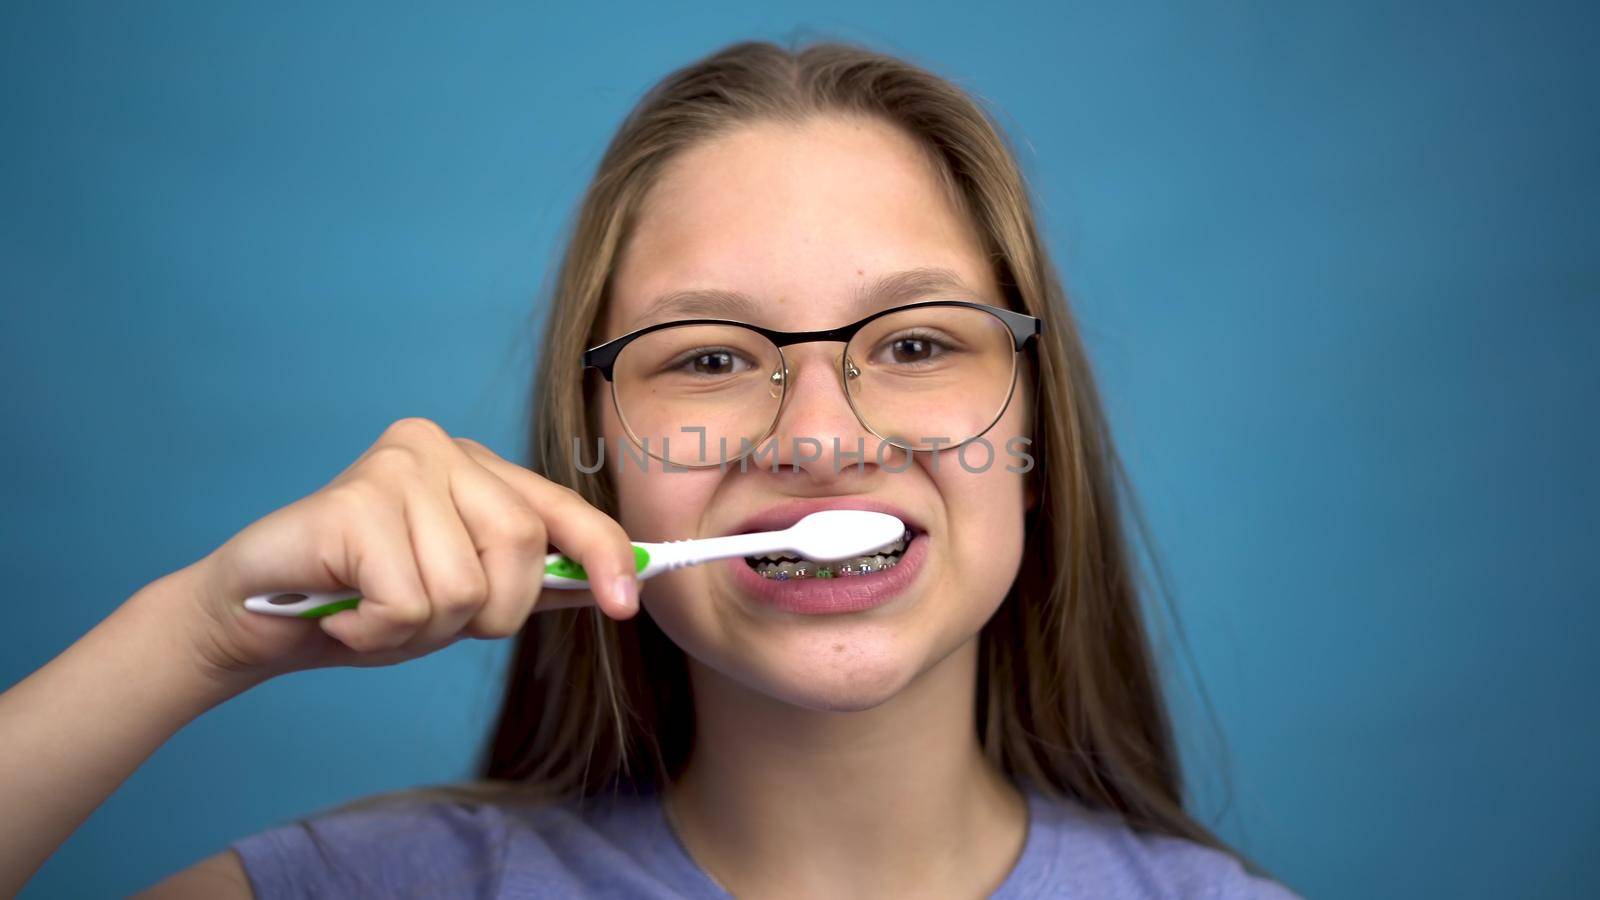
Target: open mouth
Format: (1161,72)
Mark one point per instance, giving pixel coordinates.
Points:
(779,567)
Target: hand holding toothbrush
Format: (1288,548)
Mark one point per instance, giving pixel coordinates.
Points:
(441,537)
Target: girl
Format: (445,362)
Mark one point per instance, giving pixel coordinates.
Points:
(805,280)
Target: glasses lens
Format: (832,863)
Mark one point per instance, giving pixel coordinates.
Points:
(931,376)
(673,382)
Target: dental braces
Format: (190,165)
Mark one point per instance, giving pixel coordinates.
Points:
(846,570)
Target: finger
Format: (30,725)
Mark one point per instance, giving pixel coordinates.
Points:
(530,562)
(378,559)
(448,561)
(510,539)
(588,535)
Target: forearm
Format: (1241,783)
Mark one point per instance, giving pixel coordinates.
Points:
(74,730)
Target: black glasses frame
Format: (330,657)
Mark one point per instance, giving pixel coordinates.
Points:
(604,357)
(1023,327)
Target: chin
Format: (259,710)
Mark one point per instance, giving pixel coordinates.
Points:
(832,673)
(843,663)
(837,692)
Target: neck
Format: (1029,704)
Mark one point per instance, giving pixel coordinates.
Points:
(778,798)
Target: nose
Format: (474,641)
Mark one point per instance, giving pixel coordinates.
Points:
(817,430)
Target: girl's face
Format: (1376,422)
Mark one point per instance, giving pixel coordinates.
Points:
(800,218)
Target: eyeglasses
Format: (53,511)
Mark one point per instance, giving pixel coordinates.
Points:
(923,376)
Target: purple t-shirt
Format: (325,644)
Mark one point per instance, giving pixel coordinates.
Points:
(623,847)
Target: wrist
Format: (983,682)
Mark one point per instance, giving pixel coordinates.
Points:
(169,611)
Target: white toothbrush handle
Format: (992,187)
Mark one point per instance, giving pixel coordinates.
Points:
(665,557)
(694,551)
(654,558)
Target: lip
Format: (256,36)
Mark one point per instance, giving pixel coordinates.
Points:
(828,596)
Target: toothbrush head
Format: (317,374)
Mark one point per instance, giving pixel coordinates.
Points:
(843,533)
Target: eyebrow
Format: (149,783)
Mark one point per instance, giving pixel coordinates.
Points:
(884,291)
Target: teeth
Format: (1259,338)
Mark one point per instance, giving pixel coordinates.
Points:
(860,565)
(895,546)
(778,567)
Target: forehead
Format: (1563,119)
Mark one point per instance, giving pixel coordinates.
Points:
(798,217)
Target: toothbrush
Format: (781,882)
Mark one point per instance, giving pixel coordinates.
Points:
(827,535)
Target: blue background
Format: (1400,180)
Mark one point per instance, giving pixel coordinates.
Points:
(1336,263)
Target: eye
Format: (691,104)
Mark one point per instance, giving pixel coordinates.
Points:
(912,348)
(710,362)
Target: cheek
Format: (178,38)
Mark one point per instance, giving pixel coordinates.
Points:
(986,502)
(652,504)
(985,518)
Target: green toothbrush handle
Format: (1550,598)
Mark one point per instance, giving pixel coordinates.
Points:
(560,571)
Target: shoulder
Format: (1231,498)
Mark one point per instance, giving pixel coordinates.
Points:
(379,847)
(1095,853)
(432,845)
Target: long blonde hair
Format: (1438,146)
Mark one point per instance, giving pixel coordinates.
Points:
(1069,696)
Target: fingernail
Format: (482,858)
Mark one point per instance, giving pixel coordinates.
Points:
(627,592)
